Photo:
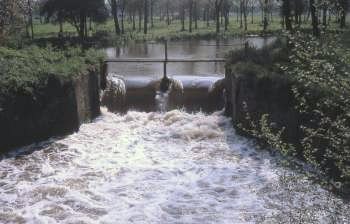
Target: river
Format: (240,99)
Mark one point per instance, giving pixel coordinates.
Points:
(170,167)
(189,49)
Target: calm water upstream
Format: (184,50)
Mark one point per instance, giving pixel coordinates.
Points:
(171,167)
(178,50)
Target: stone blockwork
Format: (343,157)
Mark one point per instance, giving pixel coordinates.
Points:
(58,108)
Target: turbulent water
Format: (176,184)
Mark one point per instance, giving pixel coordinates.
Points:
(172,167)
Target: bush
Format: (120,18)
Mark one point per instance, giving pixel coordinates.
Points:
(318,71)
(321,69)
(266,57)
(21,71)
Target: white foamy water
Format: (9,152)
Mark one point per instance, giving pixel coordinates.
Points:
(173,167)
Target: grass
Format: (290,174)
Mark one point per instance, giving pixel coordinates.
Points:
(23,71)
(104,34)
(161,30)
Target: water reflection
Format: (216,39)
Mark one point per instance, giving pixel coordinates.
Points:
(189,49)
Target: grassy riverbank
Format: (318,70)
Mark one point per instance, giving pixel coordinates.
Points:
(46,92)
(23,71)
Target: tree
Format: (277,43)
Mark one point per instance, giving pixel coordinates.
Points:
(77,12)
(343,10)
(226,7)
(265,12)
(190,15)
(298,10)
(245,9)
(122,10)
(314,18)
(286,13)
(218,4)
(182,14)
(29,10)
(114,9)
(145,21)
(167,12)
(152,13)
(10,17)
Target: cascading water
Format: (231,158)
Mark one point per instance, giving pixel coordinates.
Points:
(114,96)
(172,167)
(162,99)
(193,93)
(171,98)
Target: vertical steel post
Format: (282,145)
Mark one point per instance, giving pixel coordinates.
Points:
(166,58)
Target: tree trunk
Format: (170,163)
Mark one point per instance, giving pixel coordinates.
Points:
(152,5)
(31,19)
(81,30)
(60,21)
(145,20)
(190,15)
(241,14)
(208,16)
(265,15)
(314,18)
(343,5)
(324,16)
(195,15)
(217,14)
(86,27)
(115,17)
(123,10)
(227,18)
(286,15)
(183,18)
(167,13)
(245,15)
(140,19)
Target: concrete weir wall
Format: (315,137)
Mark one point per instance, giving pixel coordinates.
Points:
(262,95)
(58,108)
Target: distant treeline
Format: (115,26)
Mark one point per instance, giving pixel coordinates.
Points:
(15,14)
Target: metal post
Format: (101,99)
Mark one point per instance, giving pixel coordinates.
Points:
(166,58)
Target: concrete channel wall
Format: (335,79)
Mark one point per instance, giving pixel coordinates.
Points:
(58,108)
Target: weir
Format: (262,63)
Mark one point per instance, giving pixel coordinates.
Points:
(191,92)
(157,167)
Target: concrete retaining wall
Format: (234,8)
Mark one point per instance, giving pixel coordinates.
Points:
(58,108)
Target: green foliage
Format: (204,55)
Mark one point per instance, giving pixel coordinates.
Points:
(22,71)
(322,73)
(250,60)
(318,71)
(267,133)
